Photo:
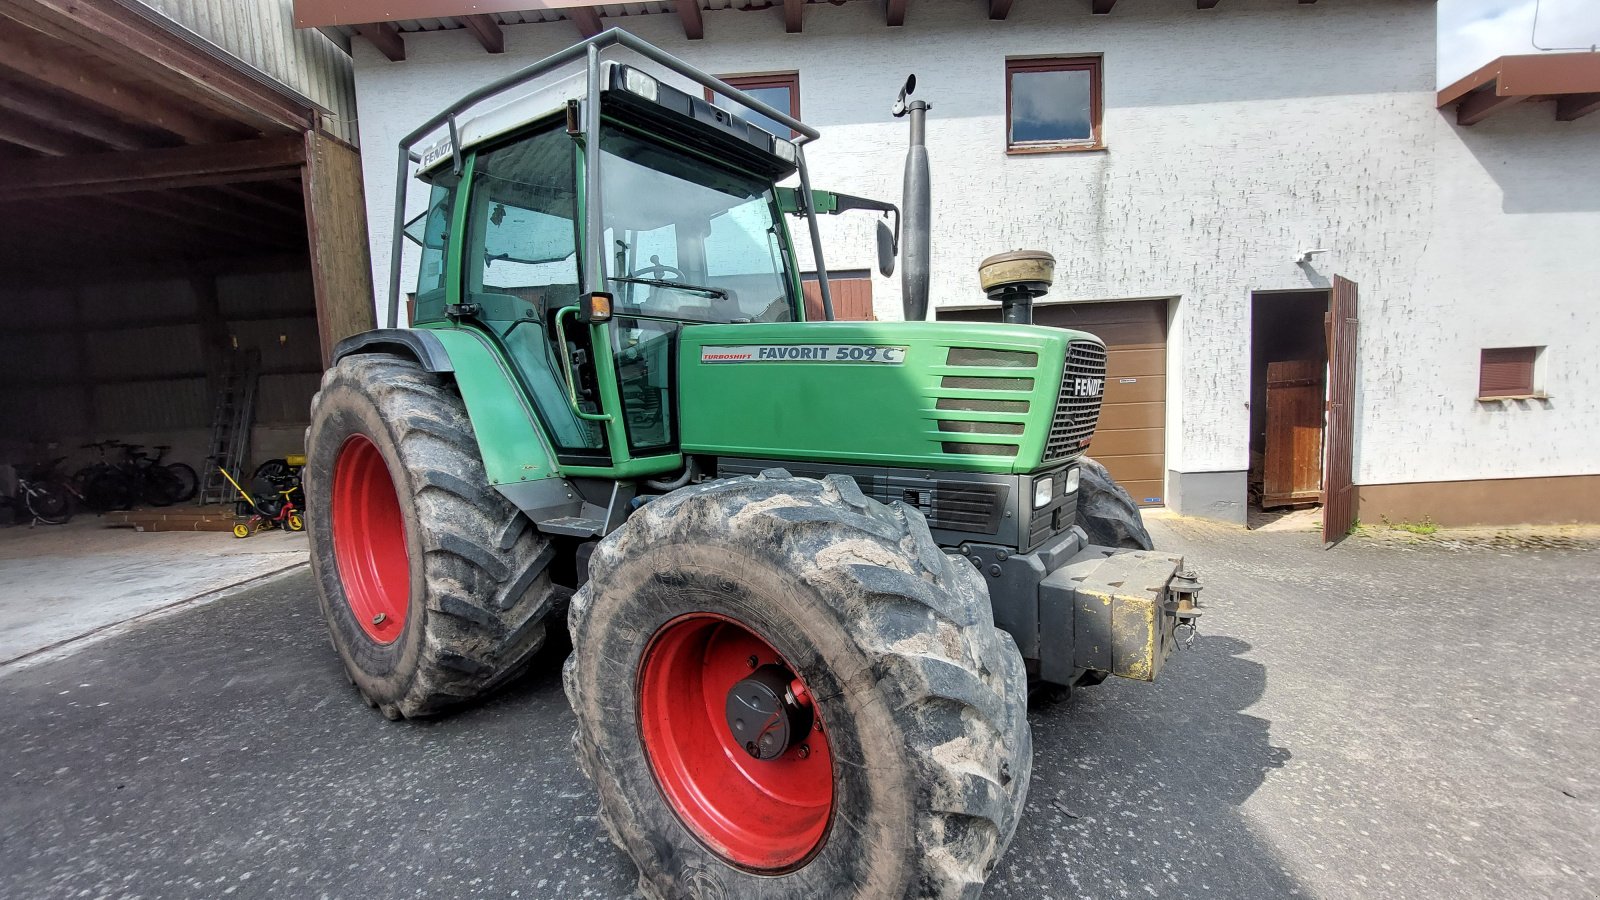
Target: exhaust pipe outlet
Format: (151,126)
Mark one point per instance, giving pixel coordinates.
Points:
(1015,280)
(917,205)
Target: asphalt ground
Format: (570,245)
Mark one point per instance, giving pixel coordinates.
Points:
(1379,720)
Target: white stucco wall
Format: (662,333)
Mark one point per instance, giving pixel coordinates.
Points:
(1236,137)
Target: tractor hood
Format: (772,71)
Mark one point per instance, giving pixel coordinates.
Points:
(933,395)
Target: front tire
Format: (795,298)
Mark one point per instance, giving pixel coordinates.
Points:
(913,782)
(1106,511)
(434,586)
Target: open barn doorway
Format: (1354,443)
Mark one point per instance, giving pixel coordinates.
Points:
(1288,391)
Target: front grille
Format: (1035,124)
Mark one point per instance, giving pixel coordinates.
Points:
(1083,386)
(954,503)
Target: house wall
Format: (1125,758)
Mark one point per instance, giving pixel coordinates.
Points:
(1236,138)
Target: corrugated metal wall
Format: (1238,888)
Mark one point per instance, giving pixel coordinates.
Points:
(262,34)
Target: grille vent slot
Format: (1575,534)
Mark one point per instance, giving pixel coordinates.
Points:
(1076,416)
(976,383)
(966,404)
(979,449)
(980,427)
(994,359)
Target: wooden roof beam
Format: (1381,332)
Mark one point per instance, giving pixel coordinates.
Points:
(1482,104)
(894,13)
(41,106)
(1101,7)
(587,18)
(793,12)
(143,44)
(1205,4)
(152,170)
(386,38)
(487,31)
(40,137)
(689,11)
(34,57)
(1576,106)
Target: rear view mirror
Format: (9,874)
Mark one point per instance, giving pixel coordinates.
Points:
(886,249)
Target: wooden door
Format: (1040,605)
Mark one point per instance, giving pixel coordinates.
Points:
(851,293)
(1293,470)
(1338,483)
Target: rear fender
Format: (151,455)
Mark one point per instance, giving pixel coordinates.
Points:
(517,457)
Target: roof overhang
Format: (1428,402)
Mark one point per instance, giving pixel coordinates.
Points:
(385,23)
(1572,80)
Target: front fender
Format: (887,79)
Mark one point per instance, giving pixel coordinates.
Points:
(517,457)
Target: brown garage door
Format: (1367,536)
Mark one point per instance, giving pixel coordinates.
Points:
(1131,438)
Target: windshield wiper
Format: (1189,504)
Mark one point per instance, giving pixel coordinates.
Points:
(719,293)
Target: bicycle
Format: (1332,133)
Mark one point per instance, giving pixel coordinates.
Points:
(47,503)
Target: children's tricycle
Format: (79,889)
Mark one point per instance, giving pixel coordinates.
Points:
(269,512)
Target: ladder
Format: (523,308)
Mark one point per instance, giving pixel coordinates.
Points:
(230,426)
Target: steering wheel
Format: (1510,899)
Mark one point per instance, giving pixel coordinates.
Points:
(658,269)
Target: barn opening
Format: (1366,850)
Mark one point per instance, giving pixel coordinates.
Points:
(1288,393)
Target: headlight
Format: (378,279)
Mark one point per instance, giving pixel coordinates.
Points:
(1043,491)
(785,150)
(639,83)
(1072,481)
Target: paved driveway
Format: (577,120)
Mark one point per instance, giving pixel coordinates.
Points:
(1372,721)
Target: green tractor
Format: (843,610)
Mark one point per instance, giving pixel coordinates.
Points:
(811,569)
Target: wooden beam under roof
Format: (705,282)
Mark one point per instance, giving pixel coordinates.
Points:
(1575,106)
(150,170)
(45,107)
(894,13)
(693,27)
(487,31)
(386,38)
(1102,7)
(1483,104)
(40,137)
(149,46)
(999,9)
(587,19)
(793,13)
(29,55)
(1205,4)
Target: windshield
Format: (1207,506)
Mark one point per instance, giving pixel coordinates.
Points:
(687,240)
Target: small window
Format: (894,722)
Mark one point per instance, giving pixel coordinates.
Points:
(1053,105)
(781,91)
(1508,372)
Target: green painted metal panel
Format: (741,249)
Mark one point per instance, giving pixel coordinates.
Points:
(885,393)
(509,435)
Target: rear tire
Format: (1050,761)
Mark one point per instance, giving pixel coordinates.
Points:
(188,481)
(1106,512)
(49,504)
(434,586)
(925,750)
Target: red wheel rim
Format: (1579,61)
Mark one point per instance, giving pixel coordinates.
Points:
(369,540)
(765,815)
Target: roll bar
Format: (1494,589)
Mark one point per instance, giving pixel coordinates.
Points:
(589,50)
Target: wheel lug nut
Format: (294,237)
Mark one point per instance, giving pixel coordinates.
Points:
(753,662)
(805,751)
(379,619)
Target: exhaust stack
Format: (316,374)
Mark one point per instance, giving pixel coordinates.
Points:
(917,203)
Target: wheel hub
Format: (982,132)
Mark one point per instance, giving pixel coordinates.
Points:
(765,716)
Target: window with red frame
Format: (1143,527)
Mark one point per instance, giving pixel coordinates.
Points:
(780,90)
(1053,105)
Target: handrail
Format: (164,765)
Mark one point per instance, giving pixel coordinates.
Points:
(566,369)
(608,38)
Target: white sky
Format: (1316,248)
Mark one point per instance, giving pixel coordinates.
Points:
(1472,32)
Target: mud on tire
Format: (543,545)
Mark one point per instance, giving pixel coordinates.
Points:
(1106,512)
(923,699)
(477,589)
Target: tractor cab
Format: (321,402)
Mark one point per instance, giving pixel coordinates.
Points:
(690,231)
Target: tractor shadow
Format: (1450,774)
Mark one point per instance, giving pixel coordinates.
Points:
(1138,788)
